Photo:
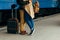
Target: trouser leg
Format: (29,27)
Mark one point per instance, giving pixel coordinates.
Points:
(22,22)
(31,24)
(29,21)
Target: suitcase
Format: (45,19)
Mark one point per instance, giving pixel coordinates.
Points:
(12,24)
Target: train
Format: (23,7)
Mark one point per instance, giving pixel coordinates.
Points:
(47,7)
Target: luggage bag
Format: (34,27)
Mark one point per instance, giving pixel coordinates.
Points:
(12,24)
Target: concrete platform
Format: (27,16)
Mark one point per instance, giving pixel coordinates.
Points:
(46,28)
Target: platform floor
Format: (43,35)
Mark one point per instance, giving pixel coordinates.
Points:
(46,28)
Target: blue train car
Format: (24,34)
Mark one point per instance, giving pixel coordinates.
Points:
(47,7)
(44,4)
(5,10)
(6,4)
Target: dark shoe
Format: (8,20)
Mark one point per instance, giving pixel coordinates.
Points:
(31,33)
(23,32)
(35,18)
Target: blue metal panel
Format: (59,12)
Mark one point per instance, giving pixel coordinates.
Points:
(6,4)
(7,0)
(48,3)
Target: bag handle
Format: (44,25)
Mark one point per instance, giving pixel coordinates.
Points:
(13,8)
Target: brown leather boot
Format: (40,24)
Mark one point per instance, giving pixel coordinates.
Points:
(23,32)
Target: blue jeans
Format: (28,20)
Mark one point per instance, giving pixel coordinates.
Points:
(29,20)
